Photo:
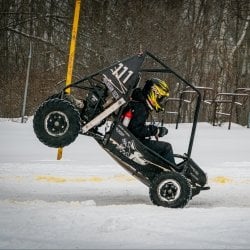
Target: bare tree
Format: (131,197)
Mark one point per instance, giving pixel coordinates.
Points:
(206,41)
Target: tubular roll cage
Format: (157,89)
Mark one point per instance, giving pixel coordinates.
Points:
(164,69)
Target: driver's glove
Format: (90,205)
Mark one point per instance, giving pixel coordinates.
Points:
(162,131)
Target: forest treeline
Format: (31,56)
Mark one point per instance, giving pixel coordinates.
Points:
(206,41)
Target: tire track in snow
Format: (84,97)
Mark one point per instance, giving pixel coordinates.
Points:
(220,179)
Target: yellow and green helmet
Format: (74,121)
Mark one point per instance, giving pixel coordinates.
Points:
(156,90)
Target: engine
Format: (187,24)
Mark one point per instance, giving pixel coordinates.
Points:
(93,105)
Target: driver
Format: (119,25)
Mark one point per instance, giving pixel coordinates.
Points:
(143,102)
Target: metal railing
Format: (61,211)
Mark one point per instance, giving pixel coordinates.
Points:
(215,105)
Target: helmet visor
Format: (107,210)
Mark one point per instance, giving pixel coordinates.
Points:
(156,100)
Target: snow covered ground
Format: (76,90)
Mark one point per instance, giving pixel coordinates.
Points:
(87,201)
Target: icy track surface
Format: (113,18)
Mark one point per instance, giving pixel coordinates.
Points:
(87,201)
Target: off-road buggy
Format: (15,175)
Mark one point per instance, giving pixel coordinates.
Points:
(97,101)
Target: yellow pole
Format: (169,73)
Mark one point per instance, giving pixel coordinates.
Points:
(71,57)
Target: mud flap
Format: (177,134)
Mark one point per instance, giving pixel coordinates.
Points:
(195,173)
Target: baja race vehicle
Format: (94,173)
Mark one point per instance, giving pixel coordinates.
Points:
(97,101)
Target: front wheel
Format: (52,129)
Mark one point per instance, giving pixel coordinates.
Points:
(56,123)
(170,189)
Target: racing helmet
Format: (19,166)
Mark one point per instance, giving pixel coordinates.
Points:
(155,91)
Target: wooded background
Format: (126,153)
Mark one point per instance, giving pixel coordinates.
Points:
(205,41)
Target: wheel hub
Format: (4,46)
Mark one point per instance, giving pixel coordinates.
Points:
(56,123)
(169,190)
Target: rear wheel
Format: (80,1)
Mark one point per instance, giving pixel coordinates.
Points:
(56,123)
(170,189)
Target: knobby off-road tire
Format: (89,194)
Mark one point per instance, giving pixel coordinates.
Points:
(170,189)
(56,123)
